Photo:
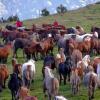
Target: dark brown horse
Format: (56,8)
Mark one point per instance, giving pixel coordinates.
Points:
(19,43)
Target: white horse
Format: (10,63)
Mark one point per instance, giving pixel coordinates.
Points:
(85,62)
(32,63)
(79,38)
(60,98)
(51,83)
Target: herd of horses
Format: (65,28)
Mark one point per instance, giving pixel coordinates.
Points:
(73,62)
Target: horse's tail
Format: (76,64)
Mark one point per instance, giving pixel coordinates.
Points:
(55,86)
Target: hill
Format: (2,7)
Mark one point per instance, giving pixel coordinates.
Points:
(87,16)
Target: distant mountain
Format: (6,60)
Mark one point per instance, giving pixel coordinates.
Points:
(27,9)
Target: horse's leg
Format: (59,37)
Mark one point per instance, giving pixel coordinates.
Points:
(4,84)
(12,92)
(93,88)
(60,78)
(69,75)
(64,79)
(34,56)
(49,96)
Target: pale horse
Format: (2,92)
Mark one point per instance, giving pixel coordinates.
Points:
(87,76)
(98,73)
(51,83)
(84,63)
(33,69)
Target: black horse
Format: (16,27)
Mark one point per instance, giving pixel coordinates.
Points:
(14,85)
(19,43)
(64,69)
(49,59)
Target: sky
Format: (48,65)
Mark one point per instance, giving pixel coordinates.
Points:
(27,9)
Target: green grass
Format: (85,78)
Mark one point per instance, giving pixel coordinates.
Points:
(36,88)
(85,17)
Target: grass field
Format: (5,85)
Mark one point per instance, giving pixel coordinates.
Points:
(86,17)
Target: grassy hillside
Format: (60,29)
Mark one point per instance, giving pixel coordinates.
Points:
(86,17)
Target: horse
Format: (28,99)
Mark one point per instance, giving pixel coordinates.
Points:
(60,98)
(98,74)
(64,69)
(91,87)
(47,46)
(75,82)
(4,74)
(90,80)
(30,63)
(31,50)
(24,94)
(76,56)
(95,63)
(49,59)
(83,66)
(19,43)
(95,47)
(14,85)
(51,84)
(4,52)
(96,29)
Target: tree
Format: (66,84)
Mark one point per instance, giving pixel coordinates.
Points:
(13,18)
(61,9)
(45,12)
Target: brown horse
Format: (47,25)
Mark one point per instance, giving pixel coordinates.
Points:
(24,94)
(4,53)
(76,56)
(47,46)
(31,50)
(4,73)
(95,45)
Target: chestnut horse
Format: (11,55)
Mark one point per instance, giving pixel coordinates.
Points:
(47,46)
(4,53)
(4,73)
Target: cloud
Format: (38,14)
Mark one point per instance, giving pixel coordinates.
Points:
(49,3)
(3,10)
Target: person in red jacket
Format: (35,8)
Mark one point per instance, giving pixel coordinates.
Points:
(55,23)
(19,23)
